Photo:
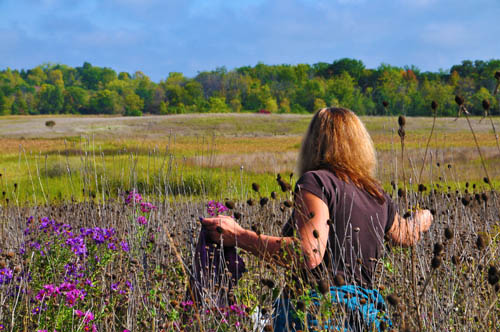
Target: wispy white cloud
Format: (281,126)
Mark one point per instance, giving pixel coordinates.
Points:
(160,36)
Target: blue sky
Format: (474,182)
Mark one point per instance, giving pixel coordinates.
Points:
(162,36)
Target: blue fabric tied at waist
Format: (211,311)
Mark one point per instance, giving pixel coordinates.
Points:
(369,316)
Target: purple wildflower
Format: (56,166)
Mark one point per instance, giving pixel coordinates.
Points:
(124,246)
(5,275)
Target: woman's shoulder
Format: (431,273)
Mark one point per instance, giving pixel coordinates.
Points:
(321,182)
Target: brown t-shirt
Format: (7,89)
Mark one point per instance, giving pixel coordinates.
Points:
(357,228)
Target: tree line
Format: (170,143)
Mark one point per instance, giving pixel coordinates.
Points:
(301,88)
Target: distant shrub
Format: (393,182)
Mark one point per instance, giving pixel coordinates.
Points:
(50,123)
(134,113)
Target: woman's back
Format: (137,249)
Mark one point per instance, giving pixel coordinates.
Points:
(357,225)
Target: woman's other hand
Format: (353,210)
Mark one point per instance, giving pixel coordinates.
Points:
(223,228)
(407,231)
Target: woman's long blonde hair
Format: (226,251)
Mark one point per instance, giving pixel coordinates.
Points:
(338,141)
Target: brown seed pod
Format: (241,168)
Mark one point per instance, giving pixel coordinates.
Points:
(400,192)
(459,100)
(237,215)
(438,249)
(486,104)
(422,187)
(486,179)
(255,187)
(393,299)
(401,132)
(434,105)
(315,234)
(385,104)
(484,197)
(481,241)
(401,121)
(250,202)
(263,201)
(436,262)
(323,287)
(273,194)
(448,233)
(268,283)
(339,280)
(466,200)
(287,203)
(230,205)
(493,275)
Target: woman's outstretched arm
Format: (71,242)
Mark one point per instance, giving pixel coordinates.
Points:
(311,215)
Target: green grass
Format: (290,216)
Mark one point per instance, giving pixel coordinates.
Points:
(194,156)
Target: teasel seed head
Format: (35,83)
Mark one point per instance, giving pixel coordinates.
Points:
(393,299)
(230,205)
(486,179)
(459,100)
(486,104)
(448,233)
(315,234)
(401,121)
(263,201)
(422,187)
(493,275)
(255,187)
(268,283)
(481,241)
(339,280)
(436,262)
(323,287)
(438,249)
(273,194)
(434,105)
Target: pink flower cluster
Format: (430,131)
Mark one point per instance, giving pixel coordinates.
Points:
(214,208)
(88,317)
(66,289)
(133,197)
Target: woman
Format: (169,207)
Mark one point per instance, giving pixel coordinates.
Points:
(341,215)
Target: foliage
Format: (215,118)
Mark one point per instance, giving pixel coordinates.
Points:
(53,89)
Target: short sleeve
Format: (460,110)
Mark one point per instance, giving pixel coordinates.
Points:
(313,183)
(391,212)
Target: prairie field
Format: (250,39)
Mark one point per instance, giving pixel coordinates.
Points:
(99,222)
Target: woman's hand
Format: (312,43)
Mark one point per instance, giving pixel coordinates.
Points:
(407,232)
(223,228)
(424,219)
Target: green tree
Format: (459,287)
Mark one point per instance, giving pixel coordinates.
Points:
(50,99)
(217,105)
(105,102)
(133,104)
(76,100)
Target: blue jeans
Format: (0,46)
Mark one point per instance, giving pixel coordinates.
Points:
(360,317)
